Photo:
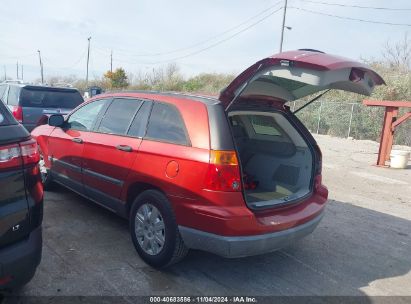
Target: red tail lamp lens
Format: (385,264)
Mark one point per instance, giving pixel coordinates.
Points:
(223,172)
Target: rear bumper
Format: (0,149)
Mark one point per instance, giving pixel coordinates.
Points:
(241,246)
(18,262)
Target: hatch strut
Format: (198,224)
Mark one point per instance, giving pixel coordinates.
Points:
(311,101)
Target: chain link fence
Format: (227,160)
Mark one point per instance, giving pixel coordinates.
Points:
(349,119)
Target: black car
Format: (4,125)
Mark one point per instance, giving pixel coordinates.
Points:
(29,104)
(21,203)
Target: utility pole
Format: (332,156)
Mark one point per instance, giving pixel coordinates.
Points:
(17,70)
(111,61)
(41,67)
(5,73)
(88,58)
(22,75)
(283,26)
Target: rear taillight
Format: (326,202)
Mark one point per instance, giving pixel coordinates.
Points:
(223,172)
(30,152)
(13,156)
(10,156)
(17,112)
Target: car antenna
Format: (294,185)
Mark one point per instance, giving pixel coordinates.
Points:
(311,101)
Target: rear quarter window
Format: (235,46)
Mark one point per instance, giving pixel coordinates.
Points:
(43,98)
(264,125)
(166,124)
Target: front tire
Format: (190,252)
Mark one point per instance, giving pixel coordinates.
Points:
(154,230)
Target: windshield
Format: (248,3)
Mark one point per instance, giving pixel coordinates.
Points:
(50,98)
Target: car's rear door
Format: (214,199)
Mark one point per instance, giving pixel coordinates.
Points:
(37,101)
(112,149)
(66,143)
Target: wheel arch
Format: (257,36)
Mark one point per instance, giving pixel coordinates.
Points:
(134,189)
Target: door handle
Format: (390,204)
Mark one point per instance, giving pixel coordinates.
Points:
(124,148)
(77,140)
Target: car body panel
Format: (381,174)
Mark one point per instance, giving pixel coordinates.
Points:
(14,209)
(216,215)
(153,159)
(66,156)
(105,167)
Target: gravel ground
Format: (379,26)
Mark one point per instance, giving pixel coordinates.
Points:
(362,246)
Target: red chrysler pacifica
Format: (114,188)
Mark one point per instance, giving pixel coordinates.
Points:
(236,176)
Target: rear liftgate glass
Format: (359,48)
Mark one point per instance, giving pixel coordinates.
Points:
(276,161)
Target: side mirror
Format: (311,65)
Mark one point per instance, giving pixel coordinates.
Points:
(56,120)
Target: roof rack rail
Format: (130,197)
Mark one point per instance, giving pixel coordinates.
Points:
(312,50)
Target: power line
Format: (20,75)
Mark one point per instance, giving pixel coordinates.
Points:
(348,18)
(210,46)
(77,61)
(223,40)
(19,57)
(358,6)
(71,66)
(205,40)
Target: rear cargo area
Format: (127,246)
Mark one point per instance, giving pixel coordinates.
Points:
(276,161)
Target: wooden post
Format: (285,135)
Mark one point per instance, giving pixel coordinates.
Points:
(386,136)
(389,125)
(390,143)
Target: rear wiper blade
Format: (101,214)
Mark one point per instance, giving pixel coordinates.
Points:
(311,101)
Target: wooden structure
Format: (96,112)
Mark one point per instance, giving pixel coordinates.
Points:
(391,121)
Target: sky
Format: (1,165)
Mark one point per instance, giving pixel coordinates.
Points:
(223,36)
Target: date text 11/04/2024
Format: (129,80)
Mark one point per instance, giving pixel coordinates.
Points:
(203,299)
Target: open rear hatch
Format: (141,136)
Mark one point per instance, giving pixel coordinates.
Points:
(279,158)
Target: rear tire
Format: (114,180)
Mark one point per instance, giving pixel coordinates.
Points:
(154,230)
(46,178)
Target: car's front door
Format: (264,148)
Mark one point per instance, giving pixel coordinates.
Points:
(66,144)
(111,151)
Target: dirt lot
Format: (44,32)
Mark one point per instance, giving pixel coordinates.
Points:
(362,246)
